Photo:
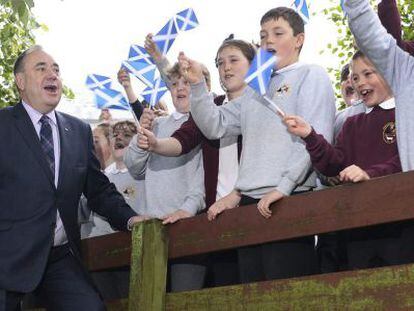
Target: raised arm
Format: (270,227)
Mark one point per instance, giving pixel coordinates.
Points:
(379,46)
(214,122)
(390,18)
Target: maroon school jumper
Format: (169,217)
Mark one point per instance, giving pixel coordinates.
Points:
(391,20)
(189,137)
(366,140)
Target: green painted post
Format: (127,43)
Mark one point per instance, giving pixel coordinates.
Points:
(148,276)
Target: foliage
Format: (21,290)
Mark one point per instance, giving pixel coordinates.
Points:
(16,35)
(343,47)
(16,26)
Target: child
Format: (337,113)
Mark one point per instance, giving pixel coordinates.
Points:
(366,148)
(270,168)
(174,187)
(396,66)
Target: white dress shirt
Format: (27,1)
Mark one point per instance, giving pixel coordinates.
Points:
(60,237)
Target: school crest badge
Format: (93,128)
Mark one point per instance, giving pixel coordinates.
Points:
(389,133)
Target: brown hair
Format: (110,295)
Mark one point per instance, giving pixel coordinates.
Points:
(174,72)
(289,15)
(125,126)
(247,49)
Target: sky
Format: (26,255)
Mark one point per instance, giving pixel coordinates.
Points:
(94,36)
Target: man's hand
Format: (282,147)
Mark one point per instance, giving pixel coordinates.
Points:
(135,220)
(147,140)
(228,202)
(147,118)
(353,173)
(297,126)
(264,203)
(174,217)
(152,48)
(190,69)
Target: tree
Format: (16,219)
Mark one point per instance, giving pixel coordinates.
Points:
(343,47)
(16,35)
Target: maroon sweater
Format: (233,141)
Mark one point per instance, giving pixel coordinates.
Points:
(391,20)
(190,137)
(366,140)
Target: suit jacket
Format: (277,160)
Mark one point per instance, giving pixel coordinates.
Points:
(29,199)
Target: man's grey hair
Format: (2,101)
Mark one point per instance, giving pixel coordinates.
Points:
(19,64)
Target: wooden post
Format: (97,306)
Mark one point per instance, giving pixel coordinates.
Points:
(148,275)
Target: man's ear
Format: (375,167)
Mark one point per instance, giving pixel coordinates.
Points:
(20,82)
(300,39)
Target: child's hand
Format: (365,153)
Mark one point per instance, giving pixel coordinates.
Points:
(174,217)
(228,202)
(147,118)
(264,203)
(123,78)
(152,48)
(297,126)
(147,140)
(190,69)
(353,173)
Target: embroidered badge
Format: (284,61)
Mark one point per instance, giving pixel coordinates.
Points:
(283,90)
(389,133)
(128,192)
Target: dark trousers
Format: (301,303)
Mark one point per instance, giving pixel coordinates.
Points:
(276,260)
(64,286)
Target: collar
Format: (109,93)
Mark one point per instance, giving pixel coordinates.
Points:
(36,115)
(387,105)
(289,67)
(111,169)
(178,115)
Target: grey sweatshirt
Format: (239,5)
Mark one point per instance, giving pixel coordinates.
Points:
(171,183)
(272,159)
(396,66)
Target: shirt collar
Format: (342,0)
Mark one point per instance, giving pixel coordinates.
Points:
(386,105)
(111,169)
(36,115)
(289,67)
(178,115)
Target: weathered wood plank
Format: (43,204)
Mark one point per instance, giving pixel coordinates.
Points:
(148,267)
(389,288)
(107,251)
(377,201)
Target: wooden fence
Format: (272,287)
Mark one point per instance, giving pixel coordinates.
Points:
(147,250)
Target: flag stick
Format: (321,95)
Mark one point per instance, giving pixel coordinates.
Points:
(273,104)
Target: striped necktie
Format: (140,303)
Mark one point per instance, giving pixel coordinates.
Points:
(46,141)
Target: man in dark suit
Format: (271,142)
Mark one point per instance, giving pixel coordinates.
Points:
(46,162)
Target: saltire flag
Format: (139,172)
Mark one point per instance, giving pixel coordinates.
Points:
(302,9)
(260,71)
(94,81)
(111,99)
(259,75)
(166,36)
(143,71)
(153,94)
(186,20)
(138,53)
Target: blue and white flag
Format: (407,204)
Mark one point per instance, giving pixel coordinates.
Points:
(260,71)
(111,99)
(143,71)
(138,53)
(166,36)
(153,95)
(302,9)
(94,81)
(186,20)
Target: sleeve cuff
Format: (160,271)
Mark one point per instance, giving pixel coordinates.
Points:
(286,186)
